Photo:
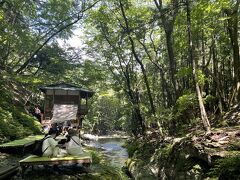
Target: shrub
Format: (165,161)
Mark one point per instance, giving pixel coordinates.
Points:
(227,168)
(186,102)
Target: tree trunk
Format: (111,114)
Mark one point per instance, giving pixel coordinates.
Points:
(137,121)
(167,96)
(168,29)
(216,83)
(133,49)
(233,34)
(172,61)
(203,113)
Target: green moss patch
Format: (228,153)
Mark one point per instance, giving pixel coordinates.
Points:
(34,158)
(22,142)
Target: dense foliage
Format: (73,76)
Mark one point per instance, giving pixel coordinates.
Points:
(178,56)
(167,64)
(159,68)
(227,168)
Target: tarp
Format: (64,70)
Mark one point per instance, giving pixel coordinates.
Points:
(64,112)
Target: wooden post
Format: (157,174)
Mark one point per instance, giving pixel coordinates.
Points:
(53,96)
(44,109)
(80,103)
(79,109)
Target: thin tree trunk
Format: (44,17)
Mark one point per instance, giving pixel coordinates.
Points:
(233,34)
(79,16)
(133,49)
(203,113)
(168,24)
(216,79)
(164,85)
(137,119)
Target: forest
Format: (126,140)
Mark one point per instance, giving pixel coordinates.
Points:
(161,70)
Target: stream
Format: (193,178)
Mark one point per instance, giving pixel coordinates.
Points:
(112,150)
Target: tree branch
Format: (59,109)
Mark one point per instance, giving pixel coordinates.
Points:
(53,35)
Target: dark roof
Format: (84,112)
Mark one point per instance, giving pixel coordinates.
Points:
(67,87)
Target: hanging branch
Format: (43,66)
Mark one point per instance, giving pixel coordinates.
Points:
(79,17)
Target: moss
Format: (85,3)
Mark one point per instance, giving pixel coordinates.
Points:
(26,120)
(21,142)
(16,124)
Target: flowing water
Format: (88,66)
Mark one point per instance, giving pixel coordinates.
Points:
(112,150)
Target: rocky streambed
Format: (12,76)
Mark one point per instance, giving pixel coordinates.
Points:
(194,156)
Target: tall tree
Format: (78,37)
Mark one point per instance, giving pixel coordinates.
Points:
(232,12)
(168,15)
(204,117)
(127,28)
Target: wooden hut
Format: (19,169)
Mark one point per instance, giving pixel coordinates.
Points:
(65,102)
